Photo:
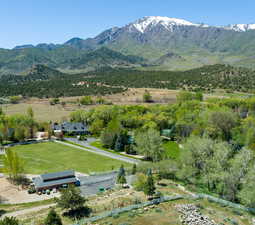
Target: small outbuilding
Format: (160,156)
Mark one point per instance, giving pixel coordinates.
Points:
(55,180)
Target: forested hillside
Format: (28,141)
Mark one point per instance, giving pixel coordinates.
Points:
(19,60)
(42,81)
(205,78)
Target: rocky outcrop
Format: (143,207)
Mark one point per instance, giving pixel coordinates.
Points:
(190,215)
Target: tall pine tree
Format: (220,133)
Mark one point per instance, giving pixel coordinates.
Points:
(121,178)
(149,188)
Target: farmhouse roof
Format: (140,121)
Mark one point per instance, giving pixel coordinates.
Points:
(39,183)
(54,179)
(58,175)
(70,127)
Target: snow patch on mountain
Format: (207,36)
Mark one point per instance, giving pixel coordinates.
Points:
(151,21)
(240,27)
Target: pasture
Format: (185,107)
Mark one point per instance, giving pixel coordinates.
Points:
(52,157)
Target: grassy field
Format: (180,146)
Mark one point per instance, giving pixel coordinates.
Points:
(43,110)
(52,157)
(172,149)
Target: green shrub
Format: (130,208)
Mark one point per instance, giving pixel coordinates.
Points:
(115,216)
(237,212)
(86,100)
(132,214)
(233,221)
(200,206)
(158,210)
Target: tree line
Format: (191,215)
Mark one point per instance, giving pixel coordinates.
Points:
(217,135)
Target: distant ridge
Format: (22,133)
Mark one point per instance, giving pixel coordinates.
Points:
(142,43)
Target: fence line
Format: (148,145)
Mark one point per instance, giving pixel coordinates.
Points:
(161,200)
(129,208)
(225,202)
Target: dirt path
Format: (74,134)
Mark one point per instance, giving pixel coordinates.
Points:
(26,211)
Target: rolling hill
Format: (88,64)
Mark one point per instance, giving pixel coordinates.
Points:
(44,82)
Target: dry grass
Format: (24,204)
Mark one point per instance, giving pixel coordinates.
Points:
(43,110)
(46,112)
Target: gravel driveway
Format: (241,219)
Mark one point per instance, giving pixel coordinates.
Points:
(89,148)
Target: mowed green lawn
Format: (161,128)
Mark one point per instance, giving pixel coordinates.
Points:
(172,149)
(52,157)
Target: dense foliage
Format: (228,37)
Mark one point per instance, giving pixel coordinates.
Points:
(44,82)
(20,127)
(217,138)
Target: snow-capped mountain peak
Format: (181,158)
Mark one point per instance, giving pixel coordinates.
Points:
(150,21)
(240,27)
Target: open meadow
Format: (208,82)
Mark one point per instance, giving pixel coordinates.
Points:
(43,111)
(52,157)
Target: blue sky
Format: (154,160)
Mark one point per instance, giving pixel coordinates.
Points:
(56,21)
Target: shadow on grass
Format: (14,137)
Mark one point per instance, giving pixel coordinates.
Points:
(78,213)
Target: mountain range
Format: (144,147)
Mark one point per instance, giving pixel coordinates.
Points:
(152,42)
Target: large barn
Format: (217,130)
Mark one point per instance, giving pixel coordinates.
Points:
(55,180)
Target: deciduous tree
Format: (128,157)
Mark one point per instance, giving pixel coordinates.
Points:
(52,218)
(149,144)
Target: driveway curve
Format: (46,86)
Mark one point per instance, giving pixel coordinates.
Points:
(87,147)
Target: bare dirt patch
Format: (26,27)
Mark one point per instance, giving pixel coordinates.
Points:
(12,194)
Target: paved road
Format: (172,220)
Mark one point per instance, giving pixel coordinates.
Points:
(89,148)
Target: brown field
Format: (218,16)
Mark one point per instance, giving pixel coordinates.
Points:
(42,109)
(45,112)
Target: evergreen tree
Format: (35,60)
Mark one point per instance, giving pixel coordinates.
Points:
(53,218)
(121,178)
(118,144)
(134,169)
(31,122)
(71,198)
(149,188)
